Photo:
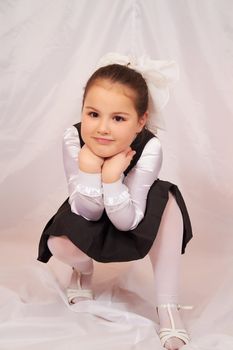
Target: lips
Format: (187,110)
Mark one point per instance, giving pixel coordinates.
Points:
(102,140)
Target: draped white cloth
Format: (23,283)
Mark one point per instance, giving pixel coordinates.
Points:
(47,51)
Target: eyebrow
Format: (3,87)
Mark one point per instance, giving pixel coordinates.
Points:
(90,107)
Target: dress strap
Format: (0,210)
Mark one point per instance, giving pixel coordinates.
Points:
(138,145)
(78,127)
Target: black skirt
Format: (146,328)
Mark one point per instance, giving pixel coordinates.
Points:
(103,242)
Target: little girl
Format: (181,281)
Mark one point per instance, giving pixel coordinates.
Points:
(118,209)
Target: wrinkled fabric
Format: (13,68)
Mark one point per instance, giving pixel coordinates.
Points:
(47,52)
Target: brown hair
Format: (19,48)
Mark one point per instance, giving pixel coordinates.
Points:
(117,73)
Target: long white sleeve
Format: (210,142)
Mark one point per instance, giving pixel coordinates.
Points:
(85,190)
(125,199)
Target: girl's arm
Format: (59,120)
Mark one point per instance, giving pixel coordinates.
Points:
(85,189)
(125,199)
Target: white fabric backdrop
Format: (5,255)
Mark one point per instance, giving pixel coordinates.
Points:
(47,51)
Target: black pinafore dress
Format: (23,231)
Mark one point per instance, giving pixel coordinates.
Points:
(101,240)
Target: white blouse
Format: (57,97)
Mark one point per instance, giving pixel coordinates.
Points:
(124,200)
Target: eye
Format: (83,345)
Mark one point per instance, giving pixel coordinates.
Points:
(93,114)
(118,118)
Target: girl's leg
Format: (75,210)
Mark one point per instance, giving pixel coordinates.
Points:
(64,250)
(165,257)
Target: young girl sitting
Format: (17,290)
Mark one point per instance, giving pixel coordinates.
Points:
(118,209)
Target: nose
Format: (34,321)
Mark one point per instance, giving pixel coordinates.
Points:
(103,126)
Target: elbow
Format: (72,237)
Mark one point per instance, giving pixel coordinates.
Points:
(86,214)
(97,216)
(127,218)
(124,227)
(129,226)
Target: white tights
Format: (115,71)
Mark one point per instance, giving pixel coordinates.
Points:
(64,250)
(165,259)
(164,255)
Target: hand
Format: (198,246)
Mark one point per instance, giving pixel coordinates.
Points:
(114,166)
(88,161)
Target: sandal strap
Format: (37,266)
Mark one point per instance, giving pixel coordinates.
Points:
(167,333)
(178,306)
(72,293)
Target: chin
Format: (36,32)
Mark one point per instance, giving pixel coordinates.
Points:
(103,154)
(104,151)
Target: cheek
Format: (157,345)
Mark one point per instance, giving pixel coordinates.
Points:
(85,130)
(128,138)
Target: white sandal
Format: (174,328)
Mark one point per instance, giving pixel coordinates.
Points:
(77,291)
(167,333)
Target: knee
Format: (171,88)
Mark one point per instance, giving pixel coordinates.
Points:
(61,246)
(56,245)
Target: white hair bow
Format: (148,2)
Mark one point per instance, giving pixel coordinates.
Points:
(158,75)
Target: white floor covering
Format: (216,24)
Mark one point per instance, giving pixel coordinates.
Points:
(35,314)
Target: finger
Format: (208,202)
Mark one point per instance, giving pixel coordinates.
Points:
(131,154)
(127,150)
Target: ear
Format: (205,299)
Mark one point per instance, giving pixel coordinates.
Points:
(142,121)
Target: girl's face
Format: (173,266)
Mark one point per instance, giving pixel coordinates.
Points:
(109,120)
